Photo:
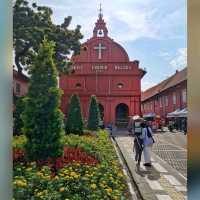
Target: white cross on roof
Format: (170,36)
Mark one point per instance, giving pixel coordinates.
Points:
(100,47)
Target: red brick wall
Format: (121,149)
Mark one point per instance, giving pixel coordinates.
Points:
(155,101)
(21,83)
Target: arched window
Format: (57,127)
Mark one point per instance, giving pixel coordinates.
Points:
(78,85)
(120,85)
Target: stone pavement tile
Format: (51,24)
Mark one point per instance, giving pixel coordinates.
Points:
(181,188)
(152,181)
(159,168)
(154,184)
(163,197)
(141,183)
(172,180)
(171,191)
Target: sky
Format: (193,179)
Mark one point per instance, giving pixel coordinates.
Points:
(151,31)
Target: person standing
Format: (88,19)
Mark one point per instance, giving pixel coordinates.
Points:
(148,141)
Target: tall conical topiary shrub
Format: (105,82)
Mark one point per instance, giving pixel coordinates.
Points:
(74,122)
(17,116)
(94,114)
(43,120)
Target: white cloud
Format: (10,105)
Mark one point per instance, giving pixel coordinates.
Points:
(165,54)
(135,24)
(147,83)
(180,60)
(127,20)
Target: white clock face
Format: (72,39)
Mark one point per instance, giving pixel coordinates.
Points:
(100,33)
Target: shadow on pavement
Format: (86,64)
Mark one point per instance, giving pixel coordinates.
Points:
(151,172)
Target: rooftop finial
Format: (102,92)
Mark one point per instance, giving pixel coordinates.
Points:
(100,11)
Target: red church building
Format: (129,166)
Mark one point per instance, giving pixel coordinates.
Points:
(103,68)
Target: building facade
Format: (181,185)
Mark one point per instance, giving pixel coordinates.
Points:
(103,68)
(20,84)
(166,97)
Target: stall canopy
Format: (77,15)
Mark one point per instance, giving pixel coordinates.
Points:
(135,117)
(183,112)
(152,114)
(178,113)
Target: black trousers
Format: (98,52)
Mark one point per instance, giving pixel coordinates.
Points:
(138,146)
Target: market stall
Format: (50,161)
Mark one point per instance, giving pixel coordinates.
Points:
(178,119)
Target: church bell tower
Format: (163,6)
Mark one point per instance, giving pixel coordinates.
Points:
(100,29)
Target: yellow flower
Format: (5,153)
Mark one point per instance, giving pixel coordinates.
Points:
(76,176)
(102,185)
(62,189)
(39,174)
(109,190)
(72,174)
(120,174)
(115,198)
(47,177)
(29,169)
(39,194)
(93,186)
(21,183)
(32,163)
(56,177)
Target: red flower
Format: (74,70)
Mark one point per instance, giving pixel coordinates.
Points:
(18,155)
(71,154)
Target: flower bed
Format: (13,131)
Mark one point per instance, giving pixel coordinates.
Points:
(76,178)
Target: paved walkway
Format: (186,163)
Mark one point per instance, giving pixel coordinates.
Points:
(172,148)
(160,182)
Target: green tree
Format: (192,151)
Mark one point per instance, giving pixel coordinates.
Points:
(17,116)
(43,120)
(30,24)
(94,114)
(74,122)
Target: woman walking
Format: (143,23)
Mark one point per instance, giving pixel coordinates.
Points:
(148,141)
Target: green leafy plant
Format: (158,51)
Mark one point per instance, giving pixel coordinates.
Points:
(75,181)
(42,118)
(94,114)
(74,122)
(17,116)
(31,23)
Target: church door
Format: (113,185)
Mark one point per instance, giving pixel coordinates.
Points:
(101,109)
(121,115)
